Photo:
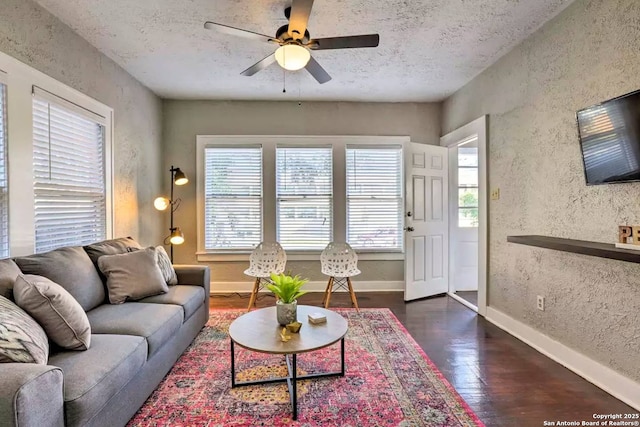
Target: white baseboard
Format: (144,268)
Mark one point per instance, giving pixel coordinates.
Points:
(315,286)
(607,379)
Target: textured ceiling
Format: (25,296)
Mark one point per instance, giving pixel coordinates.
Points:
(428,49)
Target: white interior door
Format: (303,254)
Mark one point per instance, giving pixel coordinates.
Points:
(463,216)
(426,221)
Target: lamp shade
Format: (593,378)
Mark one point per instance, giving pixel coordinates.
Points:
(161,203)
(176,238)
(292,57)
(180,178)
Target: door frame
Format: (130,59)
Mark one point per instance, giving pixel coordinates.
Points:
(477,129)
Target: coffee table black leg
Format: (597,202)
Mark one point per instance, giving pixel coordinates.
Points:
(233,365)
(294,384)
(291,379)
(342,357)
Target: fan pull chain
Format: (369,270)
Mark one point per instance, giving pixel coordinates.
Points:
(284,72)
(284,81)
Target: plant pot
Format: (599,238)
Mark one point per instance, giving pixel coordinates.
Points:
(286,313)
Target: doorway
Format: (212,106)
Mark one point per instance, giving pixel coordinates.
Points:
(463,221)
(468,214)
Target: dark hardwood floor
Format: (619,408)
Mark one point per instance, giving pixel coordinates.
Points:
(506,382)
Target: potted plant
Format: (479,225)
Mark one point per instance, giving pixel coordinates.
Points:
(287,289)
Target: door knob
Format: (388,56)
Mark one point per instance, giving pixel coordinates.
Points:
(409,214)
(408,229)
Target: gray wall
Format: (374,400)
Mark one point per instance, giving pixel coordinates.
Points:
(183,120)
(32,35)
(588,54)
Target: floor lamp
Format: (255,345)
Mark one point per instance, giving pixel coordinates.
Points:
(162,203)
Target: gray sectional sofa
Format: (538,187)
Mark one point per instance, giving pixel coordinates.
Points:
(133,345)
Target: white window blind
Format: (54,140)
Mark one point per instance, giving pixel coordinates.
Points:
(304,192)
(374,198)
(233,197)
(4,194)
(69,175)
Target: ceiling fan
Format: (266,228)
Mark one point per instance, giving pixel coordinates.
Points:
(295,42)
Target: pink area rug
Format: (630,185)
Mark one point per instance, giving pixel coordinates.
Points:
(389,381)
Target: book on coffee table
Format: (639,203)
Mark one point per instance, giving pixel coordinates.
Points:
(316,318)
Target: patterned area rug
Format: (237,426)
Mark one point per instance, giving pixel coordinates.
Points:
(389,381)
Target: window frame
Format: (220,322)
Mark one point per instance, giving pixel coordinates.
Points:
(269,144)
(401,199)
(467,187)
(67,189)
(280,198)
(261,197)
(5,154)
(21,81)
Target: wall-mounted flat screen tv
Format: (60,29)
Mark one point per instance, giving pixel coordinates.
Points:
(610,140)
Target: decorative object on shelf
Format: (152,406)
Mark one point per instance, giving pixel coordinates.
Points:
(294,327)
(317,318)
(629,237)
(287,289)
(162,203)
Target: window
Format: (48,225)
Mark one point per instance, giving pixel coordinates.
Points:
(374,198)
(233,197)
(301,191)
(468,187)
(4,188)
(69,174)
(304,197)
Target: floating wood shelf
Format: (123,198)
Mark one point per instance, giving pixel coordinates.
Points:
(602,250)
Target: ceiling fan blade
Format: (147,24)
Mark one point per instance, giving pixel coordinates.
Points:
(260,65)
(317,71)
(347,42)
(236,31)
(300,11)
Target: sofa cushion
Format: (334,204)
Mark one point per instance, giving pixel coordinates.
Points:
(164,262)
(155,322)
(62,318)
(117,246)
(132,276)
(8,272)
(190,298)
(22,340)
(71,268)
(92,377)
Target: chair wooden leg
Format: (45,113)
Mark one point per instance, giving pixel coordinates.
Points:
(327,289)
(327,293)
(354,300)
(254,294)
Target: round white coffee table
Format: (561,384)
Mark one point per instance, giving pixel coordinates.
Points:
(259,331)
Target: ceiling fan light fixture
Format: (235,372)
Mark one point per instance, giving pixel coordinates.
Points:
(292,57)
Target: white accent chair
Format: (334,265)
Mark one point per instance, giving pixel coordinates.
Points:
(340,262)
(266,258)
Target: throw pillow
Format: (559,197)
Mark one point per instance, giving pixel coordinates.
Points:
(8,273)
(22,340)
(61,316)
(71,268)
(164,262)
(121,245)
(132,276)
